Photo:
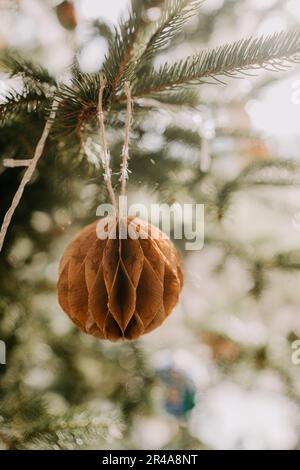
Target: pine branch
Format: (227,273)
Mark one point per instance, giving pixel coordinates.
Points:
(68,431)
(33,427)
(174,15)
(186,136)
(118,66)
(38,86)
(273,52)
(289,260)
(127,54)
(172,101)
(78,101)
(100,28)
(16,66)
(14,163)
(16,102)
(272,173)
(259,264)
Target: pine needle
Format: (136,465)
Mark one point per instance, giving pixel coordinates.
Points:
(232,60)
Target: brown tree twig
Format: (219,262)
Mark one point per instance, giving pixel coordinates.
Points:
(12,163)
(103,143)
(27,175)
(125,151)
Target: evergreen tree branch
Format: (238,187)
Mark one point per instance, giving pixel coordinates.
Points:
(188,98)
(66,429)
(13,163)
(78,101)
(38,87)
(16,66)
(173,16)
(272,173)
(118,66)
(273,52)
(127,53)
(30,99)
(27,175)
(289,260)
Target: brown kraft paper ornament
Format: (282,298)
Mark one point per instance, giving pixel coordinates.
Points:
(119,288)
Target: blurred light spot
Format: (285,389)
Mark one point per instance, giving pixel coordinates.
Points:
(153,14)
(21,250)
(272,24)
(24,33)
(152,142)
(42,351)
(259,5)
(208,129)
(296,221)
(56,404)
(246,332)
(39,378)
(232,418)
(183,360)
(41,221)
(293,6)
(154,433)
(276,114)
(296,92)
(179,151)
(92,55)
(114,432)
(127,361)
(61,217)
(245,85)
(92,9)
(60,323)
(156,124)
(213,5)
(51,271)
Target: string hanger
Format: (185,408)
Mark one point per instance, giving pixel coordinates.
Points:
(105,157)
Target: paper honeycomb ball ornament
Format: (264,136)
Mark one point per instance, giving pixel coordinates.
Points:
(115,288)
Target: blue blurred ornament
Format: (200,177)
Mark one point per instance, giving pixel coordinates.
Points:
(180,391)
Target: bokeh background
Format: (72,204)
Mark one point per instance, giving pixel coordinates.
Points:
(219,373)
